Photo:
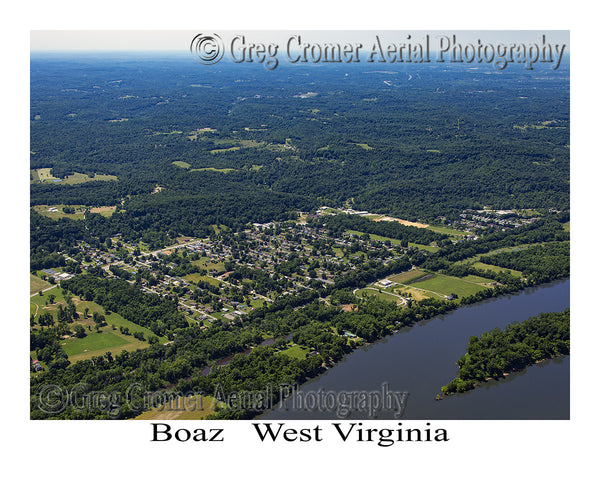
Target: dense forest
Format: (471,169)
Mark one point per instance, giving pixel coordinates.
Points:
(249,147)
(498,352)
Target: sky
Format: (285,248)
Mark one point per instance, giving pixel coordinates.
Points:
(174,40)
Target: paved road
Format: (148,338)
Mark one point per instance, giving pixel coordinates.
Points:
(37,293)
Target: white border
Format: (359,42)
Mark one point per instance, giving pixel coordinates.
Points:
(490,449)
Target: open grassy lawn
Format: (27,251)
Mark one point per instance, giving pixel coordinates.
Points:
(181,164)
(79,210)
(379,238)
(212,169)
(446,285)
(364,146)
(475,258)
(36,284)
(408,277)
(476,279)
(394,241)
(259,302)
(41,301)
(369,292)
(296,351)
(427,248)
(188,408)
(44,176)
(494,268)
(207,264)
(196,277)
(447,231)
(94,343)
(414,293)
(221,150)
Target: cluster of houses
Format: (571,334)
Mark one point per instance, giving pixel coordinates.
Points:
(491,220)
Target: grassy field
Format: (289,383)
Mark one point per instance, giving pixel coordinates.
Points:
(93,344)
(427,248)
(475,258)
(44,176)
(414,293)
(212,169)
(370,292)
(447,231)
(36,284)
(181,164)
(41,301)
(207,264)
(494,268)
(364,146)
(189,408)
(446,285)
(395,241)
(79,211)
(477,279)
(408,277)
(221,150)
(196,277)
(296,351)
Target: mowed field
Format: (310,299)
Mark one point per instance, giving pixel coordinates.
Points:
(394,241)
(79,211)
(408,277)
(387,297)
(43,175)
(421,284)
(194,407)
(445,285)
(296,351)
(36,284)
(494,268)
(94,343)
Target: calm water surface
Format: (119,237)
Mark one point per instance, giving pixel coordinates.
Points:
(421,359)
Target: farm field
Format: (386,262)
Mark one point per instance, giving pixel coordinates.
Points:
(207,264)
(447,231)
(93,344)
(415,293)
(43,175)
(394,241)
(196,277)
(181,164)
(494,268)
(79,211)
(36,284)
(408,277)
(213,169)
(445,285)
(188,408)
(368,292)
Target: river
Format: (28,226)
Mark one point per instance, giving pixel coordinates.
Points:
(422,358)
